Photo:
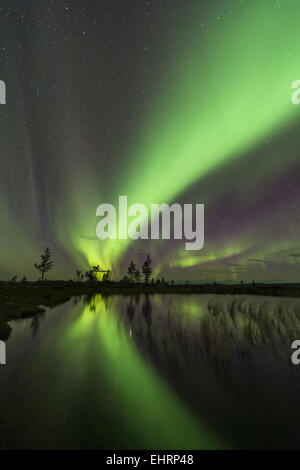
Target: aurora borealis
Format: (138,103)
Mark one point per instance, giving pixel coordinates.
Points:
(163,101)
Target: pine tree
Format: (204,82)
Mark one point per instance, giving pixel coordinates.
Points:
(147,270)
(131,271)
(137,276)
(46,263)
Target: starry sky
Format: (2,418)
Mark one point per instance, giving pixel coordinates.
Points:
(160,100)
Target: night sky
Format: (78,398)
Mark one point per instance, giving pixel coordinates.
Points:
(163,101)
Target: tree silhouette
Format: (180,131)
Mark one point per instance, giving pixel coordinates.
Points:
(91,275)
(46,263)
(107,275)
(96,270)
(131,271)
(147,270)
(137,276)
(78,274)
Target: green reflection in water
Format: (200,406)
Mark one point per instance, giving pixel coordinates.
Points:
(148,411)
(88,376)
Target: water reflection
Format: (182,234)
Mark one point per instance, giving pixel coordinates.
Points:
(229,358)
(220,330)
(156,371)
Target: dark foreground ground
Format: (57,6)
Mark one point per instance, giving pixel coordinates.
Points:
(21,300)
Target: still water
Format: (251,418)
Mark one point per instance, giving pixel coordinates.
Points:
(161,372)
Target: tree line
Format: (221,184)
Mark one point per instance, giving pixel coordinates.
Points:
(133,273)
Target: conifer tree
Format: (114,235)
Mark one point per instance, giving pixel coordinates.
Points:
(46,263)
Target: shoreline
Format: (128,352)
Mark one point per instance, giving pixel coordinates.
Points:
(23,300)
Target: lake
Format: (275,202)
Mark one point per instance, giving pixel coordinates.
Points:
(153,372)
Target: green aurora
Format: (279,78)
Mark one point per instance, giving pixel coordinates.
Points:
(221,96)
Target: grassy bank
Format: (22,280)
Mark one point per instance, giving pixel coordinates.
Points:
(25,300)
(21,300)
